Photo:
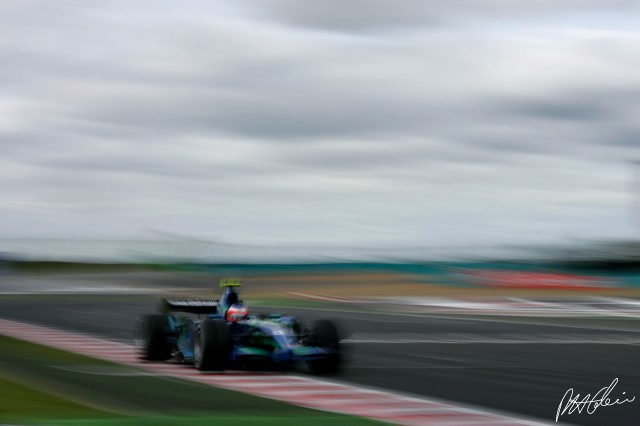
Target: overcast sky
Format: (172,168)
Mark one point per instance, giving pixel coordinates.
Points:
(331,122)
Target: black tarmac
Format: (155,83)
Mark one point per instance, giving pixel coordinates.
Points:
(516,365)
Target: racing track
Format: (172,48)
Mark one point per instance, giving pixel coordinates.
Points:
(435,356)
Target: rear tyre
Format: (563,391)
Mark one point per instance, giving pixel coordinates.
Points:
(212,345)
(153,334)
(324,333)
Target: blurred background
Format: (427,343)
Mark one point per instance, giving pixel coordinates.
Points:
(456,157)
(268,132)
(336,128)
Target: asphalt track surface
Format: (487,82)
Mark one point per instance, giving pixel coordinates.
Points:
(522,366)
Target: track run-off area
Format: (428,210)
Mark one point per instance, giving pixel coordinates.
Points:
(299,390)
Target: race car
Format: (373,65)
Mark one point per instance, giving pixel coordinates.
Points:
(220,334)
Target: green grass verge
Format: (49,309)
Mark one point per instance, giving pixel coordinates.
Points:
(20,401)
(236,420)
(41,385)
(67,267)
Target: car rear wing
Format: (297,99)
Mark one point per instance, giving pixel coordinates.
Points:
(230,282)
(193,306)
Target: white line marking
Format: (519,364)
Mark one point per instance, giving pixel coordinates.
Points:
(456,317)
(288,384)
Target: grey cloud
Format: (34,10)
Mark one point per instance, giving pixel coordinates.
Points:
(560,110)
(626,138)
(376,15)
(287,99)
(589,104)
(260,111)
(173,118)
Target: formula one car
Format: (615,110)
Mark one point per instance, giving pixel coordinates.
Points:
(220,334)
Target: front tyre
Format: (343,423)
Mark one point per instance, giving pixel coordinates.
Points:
(212,345)
(324,333)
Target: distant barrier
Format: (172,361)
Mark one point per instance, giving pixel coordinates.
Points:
(456,274)
(620,268)
(540,280)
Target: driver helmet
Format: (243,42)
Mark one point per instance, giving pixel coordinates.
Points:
(237,313)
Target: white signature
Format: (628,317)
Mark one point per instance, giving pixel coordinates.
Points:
(600,399)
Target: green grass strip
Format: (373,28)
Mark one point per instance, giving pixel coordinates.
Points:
(20,401)
(45,385)
(235,420)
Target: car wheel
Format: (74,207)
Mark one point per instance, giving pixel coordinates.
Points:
(212,345)
(323,333)
(152,339)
